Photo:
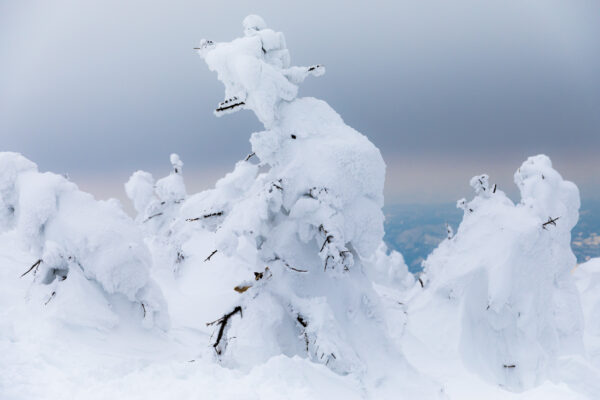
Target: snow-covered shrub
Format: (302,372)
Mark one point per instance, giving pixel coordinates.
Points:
(507,274)
(157,206)
(73,236)
(157,203)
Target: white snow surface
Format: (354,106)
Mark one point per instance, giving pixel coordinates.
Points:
(276,284)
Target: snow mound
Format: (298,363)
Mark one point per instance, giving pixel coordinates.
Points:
(75,238)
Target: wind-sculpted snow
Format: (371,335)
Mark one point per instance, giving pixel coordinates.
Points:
(76,239)
(506,274)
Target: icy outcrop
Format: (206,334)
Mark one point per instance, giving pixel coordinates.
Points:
(506,273)
(75,237)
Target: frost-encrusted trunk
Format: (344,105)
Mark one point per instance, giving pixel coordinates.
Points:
(507,270)
(88,252)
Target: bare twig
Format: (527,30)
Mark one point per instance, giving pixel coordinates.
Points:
(211,254)
(222,324)
(304,324)
(295,269)
(152,216)
(35,265)
(551,221)
(327,240)
(509,366)
(249,156)
(215,214)
(51,297)
(326,261)
(144,309)
(230,107)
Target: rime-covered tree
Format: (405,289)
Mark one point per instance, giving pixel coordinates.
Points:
(296,228)
(505,276)
(89,253)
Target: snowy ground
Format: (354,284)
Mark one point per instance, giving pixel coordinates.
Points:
(44,358)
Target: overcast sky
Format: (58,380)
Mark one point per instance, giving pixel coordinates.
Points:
(446,89)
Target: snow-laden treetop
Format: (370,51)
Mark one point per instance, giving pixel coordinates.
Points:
(255,70)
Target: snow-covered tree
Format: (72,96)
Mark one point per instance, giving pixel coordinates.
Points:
(157,203)
(296,227)
(88,252)
(506,275)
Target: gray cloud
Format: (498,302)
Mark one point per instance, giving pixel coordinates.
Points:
(101,89)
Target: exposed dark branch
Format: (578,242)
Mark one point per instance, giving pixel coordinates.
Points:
(51,297)
(326,261)
(509,366)
(211,254)
(35,265)
(304,324)
(302,321)
(249,156)
(327,240)
(230,107)
(295,269)
(277,258)
(215,214)
(421,282)
(222,322)
(144,309)
(152,216)
(551,221)
(495,187)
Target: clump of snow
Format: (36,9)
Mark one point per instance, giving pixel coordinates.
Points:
(506,275)
(74,236)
